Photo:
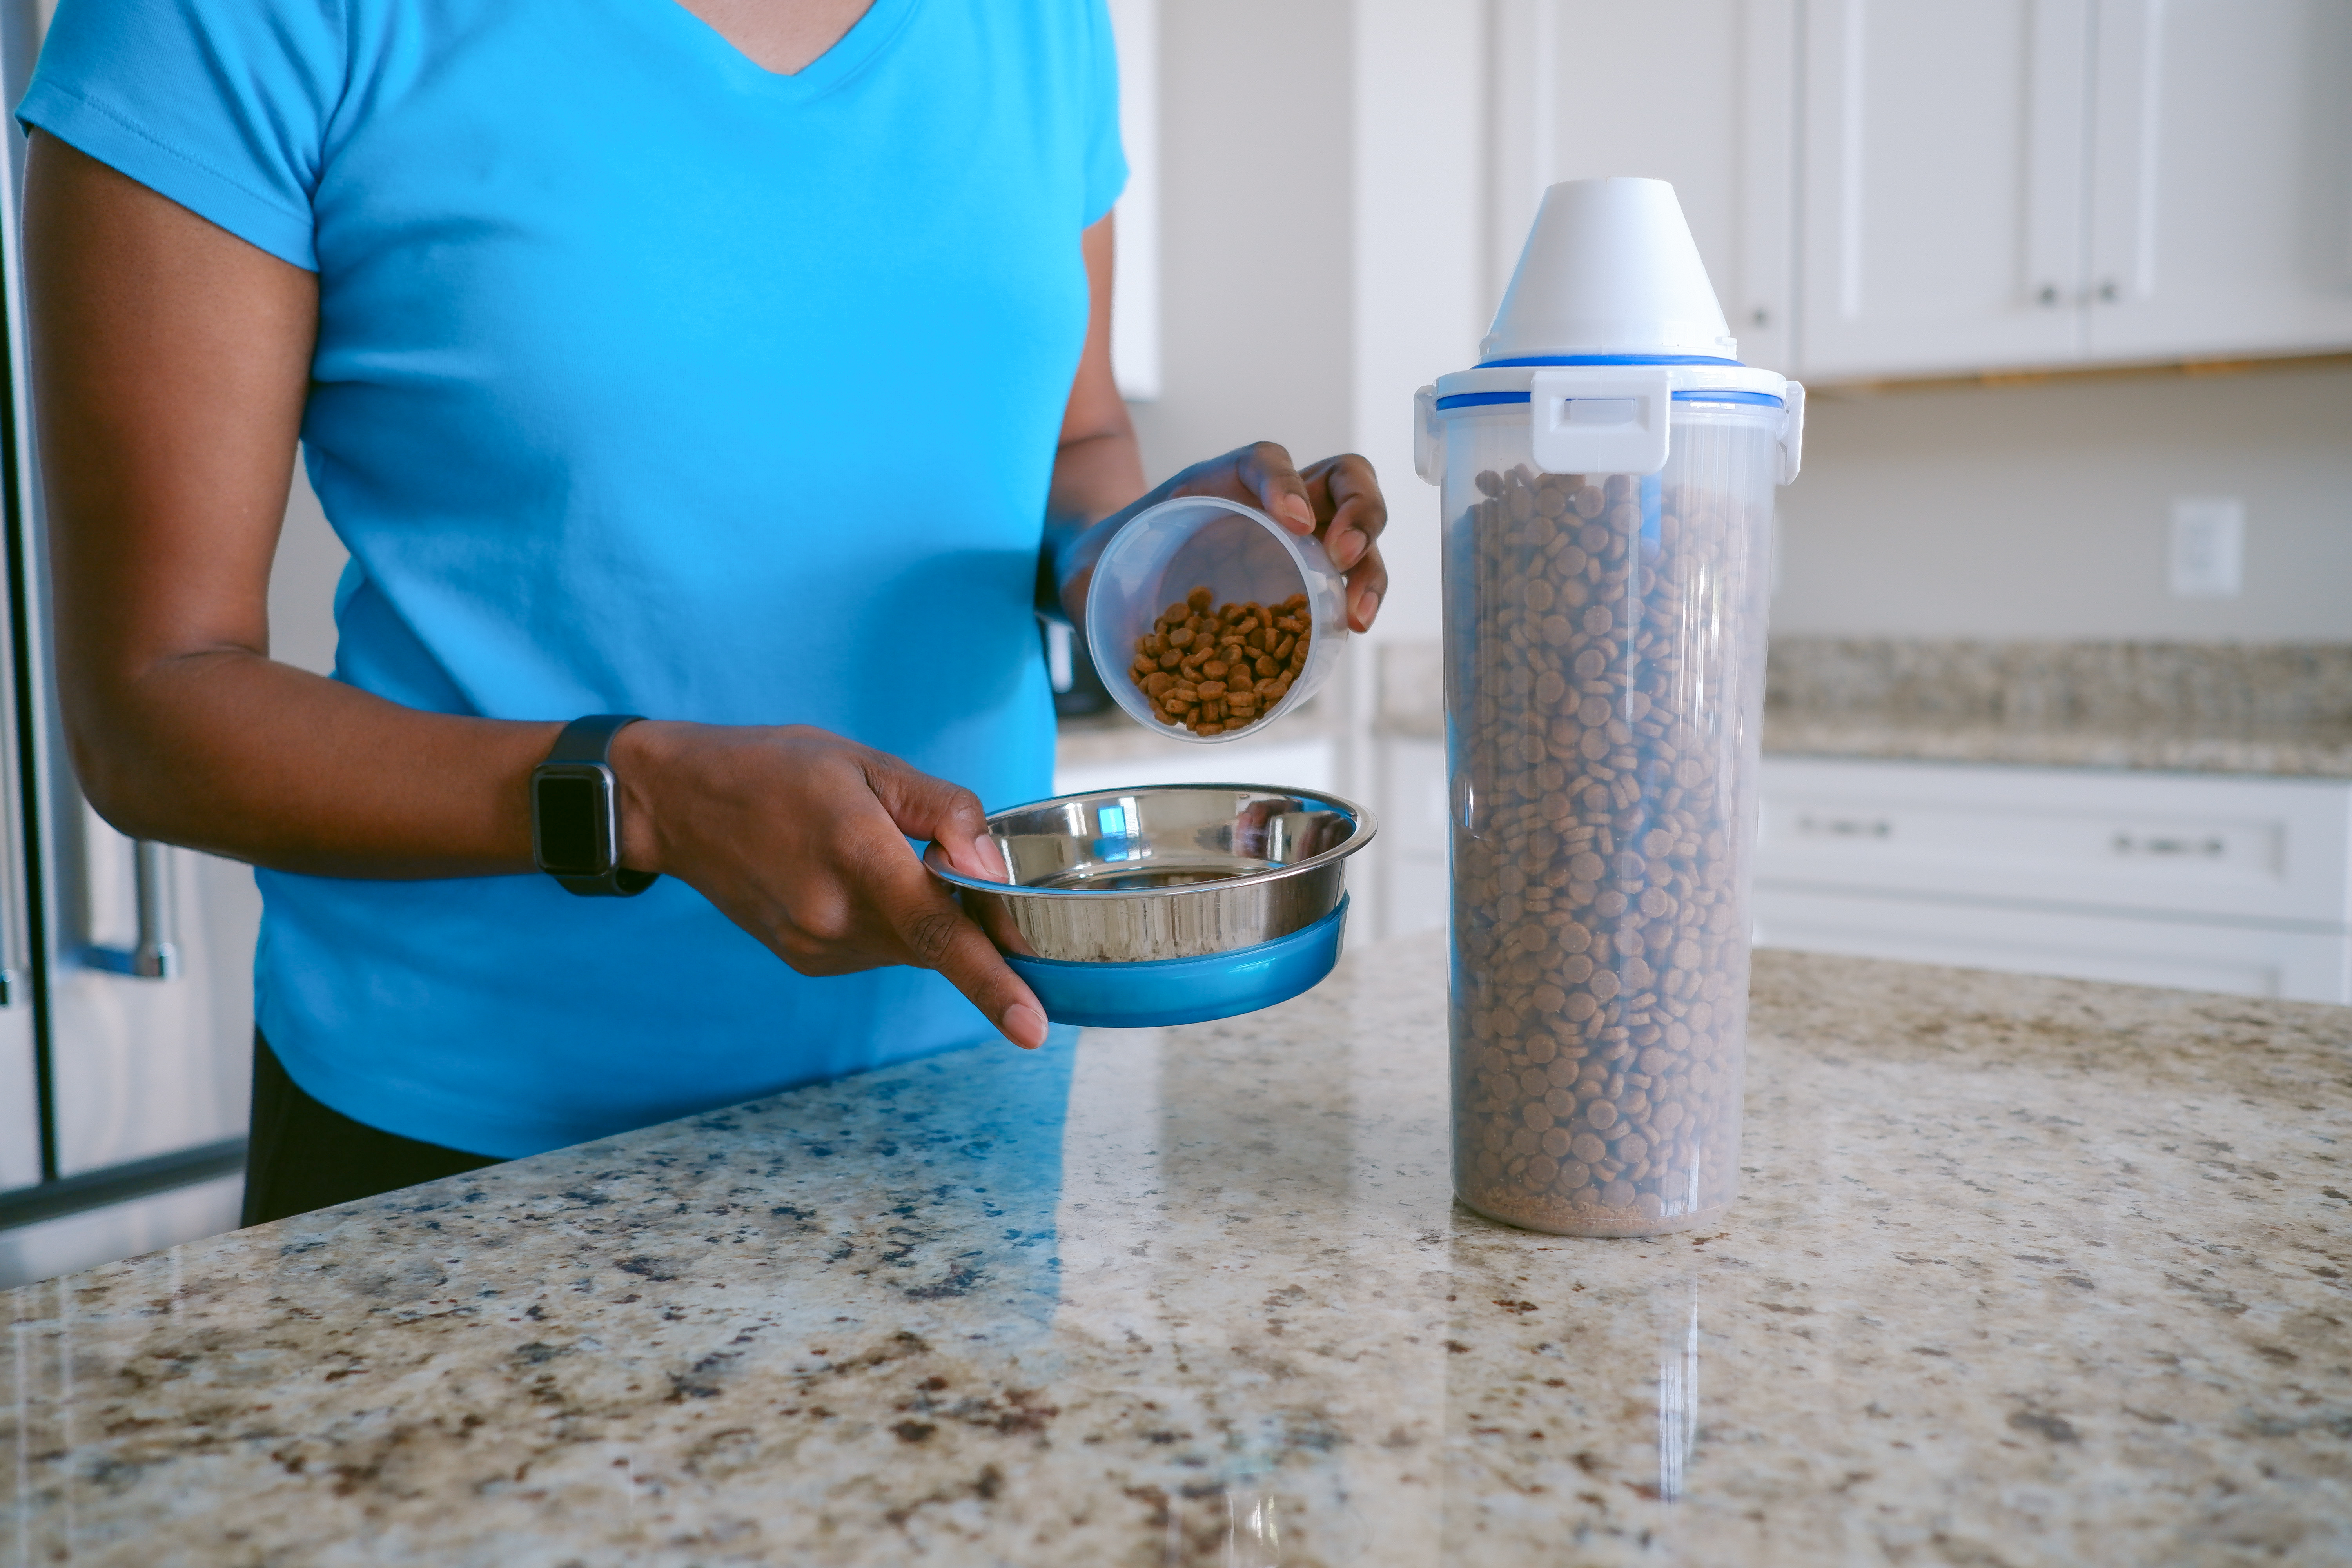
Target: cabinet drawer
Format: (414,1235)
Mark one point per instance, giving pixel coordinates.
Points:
(2256,848)
(2297,966)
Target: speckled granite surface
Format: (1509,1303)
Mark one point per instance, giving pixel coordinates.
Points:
(2279,709)
(2027,1272)
(2299,751)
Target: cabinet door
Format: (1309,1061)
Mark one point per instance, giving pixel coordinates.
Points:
(1701,93)
(1943,177)
(1416,892)
(2219,847)
(2221,178)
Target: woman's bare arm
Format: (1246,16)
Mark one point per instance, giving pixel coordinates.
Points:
(171,361)
(1099,479)
(1098,468)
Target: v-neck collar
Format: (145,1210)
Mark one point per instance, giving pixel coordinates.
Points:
(850,53)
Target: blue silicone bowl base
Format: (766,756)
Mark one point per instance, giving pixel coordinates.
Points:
(1185,990)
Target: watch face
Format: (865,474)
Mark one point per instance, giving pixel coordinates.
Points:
(571,819)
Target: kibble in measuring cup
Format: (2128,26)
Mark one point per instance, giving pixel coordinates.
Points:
(1181,553)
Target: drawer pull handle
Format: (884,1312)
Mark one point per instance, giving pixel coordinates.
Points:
(2127,845)
(1845,827)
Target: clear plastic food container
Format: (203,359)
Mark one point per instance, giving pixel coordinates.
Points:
(1607,515)
(1237,555)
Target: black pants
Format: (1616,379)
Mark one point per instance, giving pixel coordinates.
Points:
(301,1155)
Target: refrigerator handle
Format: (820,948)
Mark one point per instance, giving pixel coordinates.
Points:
(157,954)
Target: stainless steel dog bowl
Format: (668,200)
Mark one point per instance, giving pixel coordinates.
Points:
(1134,876)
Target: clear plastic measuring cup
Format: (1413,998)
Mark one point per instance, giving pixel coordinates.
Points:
(1238,555)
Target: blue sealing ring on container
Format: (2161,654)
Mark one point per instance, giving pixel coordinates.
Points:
(1163,991)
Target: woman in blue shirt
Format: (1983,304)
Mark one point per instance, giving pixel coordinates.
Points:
(721,361)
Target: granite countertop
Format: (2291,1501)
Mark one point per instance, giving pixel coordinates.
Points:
(2303,752)
(2027,1271)
(2282,709)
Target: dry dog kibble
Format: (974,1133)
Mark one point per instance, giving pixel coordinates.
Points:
(1600,920)
(1214,671)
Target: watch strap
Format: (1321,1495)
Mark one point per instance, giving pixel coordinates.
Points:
(589,741)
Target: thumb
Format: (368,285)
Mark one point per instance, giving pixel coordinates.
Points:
(945,813)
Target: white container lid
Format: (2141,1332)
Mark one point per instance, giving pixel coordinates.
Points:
(1609,268)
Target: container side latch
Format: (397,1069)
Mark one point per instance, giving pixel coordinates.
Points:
(1792,431)
(1600,419)
(1428,437)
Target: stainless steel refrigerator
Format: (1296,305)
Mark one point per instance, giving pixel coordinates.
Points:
(126,1020)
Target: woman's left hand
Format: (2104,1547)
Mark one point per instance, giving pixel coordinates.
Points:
(1337,500)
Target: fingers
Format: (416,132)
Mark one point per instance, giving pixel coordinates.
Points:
(1348,498)
(937,934)
(1266,472)
(948,814)
(1348,501)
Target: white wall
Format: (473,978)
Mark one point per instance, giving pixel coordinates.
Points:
(1422,298)
(1254,230)
(2043,510)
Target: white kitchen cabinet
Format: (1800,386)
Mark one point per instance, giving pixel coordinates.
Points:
(1417,890)
(2247,961)
(1698,92)
(2214,882)
(1892,188)
(2189,845)
(1943,175)
(2220,215)
(2043,183)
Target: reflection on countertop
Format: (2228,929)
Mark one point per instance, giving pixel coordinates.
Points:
(2027,1271)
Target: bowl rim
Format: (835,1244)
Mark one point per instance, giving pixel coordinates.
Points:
(1366,827)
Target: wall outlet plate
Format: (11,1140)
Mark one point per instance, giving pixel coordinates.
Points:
(2209,547)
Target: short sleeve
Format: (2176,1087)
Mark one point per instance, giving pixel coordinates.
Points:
(221,105)
(1106,174)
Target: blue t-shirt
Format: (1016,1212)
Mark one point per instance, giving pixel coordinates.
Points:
(648,380)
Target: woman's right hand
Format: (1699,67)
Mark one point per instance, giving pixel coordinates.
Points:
(800,837)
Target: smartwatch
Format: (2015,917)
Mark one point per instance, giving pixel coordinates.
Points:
(575,812)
